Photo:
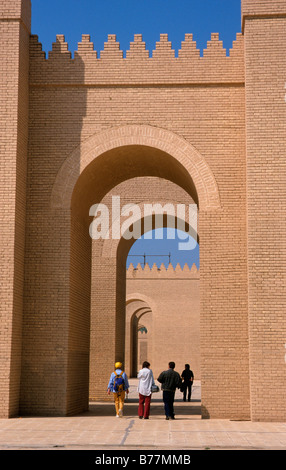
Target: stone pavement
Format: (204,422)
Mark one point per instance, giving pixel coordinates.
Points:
(98,429)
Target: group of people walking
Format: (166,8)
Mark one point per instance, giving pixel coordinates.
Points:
(169,379)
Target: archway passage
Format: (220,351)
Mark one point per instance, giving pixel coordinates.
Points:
(170,171)
(171,331)
(138,334)
(141,164)
(113,255)
(96,291)
(174,293)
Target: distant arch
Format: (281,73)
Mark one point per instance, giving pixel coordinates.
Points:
(137,296)
(136,308)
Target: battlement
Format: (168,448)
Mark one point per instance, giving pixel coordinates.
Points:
(138,67)
(155,272)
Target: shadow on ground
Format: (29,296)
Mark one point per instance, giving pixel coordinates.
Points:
(192,409)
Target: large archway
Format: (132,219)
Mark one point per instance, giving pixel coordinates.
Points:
(92,171)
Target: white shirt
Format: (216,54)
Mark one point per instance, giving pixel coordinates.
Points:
(146,380)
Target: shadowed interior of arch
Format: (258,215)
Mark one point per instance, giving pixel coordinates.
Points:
(91,276)
(140,344)
(136,312)
(121,164)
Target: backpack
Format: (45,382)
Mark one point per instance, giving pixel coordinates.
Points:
(118,384)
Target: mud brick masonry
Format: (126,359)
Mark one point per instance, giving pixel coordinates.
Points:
(151,128)
(156,300)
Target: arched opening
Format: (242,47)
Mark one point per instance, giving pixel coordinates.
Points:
(138,335)
(97,268)
(164,301)
(163,315)
(113,255)
(171,280)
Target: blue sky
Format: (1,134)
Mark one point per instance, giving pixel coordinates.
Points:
(157,251)
(128,17)
(149,18)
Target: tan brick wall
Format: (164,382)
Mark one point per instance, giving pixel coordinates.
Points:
(99,122)
(173,324)
(265,46)
(188,107)
(14,59)
(263,7)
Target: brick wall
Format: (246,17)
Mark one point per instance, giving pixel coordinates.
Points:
(167,302)
(188,115)
(265,47)
(256,8)
(97,121)
(14,58)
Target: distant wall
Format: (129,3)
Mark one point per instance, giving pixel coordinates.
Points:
(173,317)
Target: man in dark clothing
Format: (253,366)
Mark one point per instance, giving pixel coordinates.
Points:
(188,377)
(170,380)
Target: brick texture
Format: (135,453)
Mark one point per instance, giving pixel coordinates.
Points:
(14,58)
(266,202)
(207,130)
(151,302)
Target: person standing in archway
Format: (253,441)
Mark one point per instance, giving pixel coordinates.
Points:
(118,385)
(188,379)
(146,380)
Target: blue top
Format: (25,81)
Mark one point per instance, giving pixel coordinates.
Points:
(112,377)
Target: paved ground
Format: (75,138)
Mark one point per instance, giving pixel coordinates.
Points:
(98,429)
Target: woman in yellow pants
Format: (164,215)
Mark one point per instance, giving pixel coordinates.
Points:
(118,385)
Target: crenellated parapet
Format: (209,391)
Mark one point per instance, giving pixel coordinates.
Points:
(139,67)
(155,272)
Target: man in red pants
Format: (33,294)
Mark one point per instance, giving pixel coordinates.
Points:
(146,380)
